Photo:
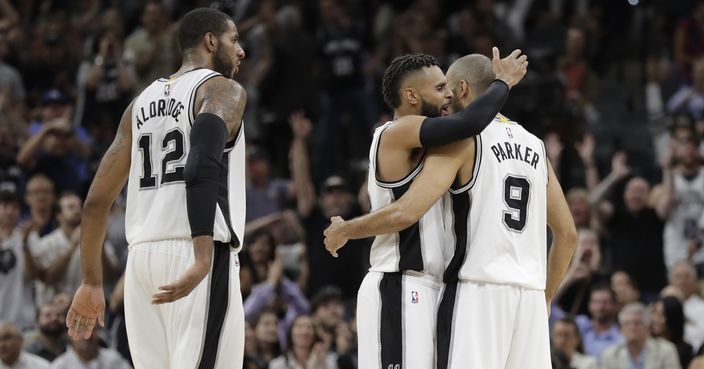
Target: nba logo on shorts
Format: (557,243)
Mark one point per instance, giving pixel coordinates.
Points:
(167,89)
(414,297)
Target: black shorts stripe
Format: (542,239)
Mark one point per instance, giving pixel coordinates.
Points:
(223,197)
(461,205)
(391,326)
(409,241)
(444,327)
(217,305)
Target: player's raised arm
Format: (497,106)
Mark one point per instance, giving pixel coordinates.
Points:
(438,174)
(89,301)
(218,119)
(413,131)
(564,233)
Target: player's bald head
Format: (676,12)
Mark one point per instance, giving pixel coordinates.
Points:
(475,69)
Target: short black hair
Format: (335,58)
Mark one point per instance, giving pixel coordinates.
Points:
(9,197)
(325,296)
(604,287)
(399,68)
(197,23)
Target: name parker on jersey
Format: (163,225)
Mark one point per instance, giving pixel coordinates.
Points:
(515,151)
(160,108)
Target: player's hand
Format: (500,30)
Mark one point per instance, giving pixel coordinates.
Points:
(184,285)
(88,306)
(334,237)
(510,69)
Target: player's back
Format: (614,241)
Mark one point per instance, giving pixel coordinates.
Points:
(418,248)
(498,220)
(162,116)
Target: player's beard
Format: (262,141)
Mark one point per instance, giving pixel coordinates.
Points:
(222,63)
(53,329)
(428,110)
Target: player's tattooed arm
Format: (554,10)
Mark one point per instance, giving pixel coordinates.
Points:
(439,172)
(225,98)
(88,306)
(109,180)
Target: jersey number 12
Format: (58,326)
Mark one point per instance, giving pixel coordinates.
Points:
(172,144)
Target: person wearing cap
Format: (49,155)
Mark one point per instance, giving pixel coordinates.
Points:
(56,148)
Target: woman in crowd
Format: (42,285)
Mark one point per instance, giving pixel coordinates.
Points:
(668,323)
(305,350)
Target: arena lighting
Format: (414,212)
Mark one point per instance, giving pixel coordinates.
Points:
(633,2)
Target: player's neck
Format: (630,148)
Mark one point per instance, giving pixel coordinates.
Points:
(192,61)
(402,111)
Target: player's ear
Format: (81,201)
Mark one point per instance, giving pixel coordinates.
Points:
(410,95)
(464,89)
(211,42)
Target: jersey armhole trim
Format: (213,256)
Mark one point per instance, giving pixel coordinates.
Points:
(475,170)
(194,92)
(400,182)
(231,145)
(547,168)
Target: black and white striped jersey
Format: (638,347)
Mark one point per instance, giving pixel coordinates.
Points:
(420,247)
(497,221)
(162,116)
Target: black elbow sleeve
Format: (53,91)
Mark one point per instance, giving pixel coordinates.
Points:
(203,172)
(471,121)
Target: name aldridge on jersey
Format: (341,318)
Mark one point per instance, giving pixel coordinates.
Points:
(156,194)
(160,108)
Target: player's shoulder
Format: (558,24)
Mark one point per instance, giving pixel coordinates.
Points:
(221,84)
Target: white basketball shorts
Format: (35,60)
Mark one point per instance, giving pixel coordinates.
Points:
(396,315)
(204,330)
(484,325)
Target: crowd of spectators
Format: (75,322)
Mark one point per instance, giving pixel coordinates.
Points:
(615,88)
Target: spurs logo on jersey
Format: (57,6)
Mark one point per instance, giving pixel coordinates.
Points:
(419,247)
(162,116)
(498,220)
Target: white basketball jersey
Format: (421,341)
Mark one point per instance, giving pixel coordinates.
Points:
(498,220)
(419,247)
(682,224)
(162,116)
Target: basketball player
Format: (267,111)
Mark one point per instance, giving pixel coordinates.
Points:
(502,192)
(181,145)
(397,300)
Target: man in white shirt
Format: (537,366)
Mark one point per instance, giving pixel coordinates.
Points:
(11,355)
(59,254)
(683,277)
(89,354)
(18,267)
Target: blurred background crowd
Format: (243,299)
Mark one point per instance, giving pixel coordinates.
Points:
(615,88)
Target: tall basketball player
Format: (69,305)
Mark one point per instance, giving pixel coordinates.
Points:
(502,194)
(397,300)
(181,146)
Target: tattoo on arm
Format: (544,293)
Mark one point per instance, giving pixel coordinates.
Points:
(122,137)
(226,99)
